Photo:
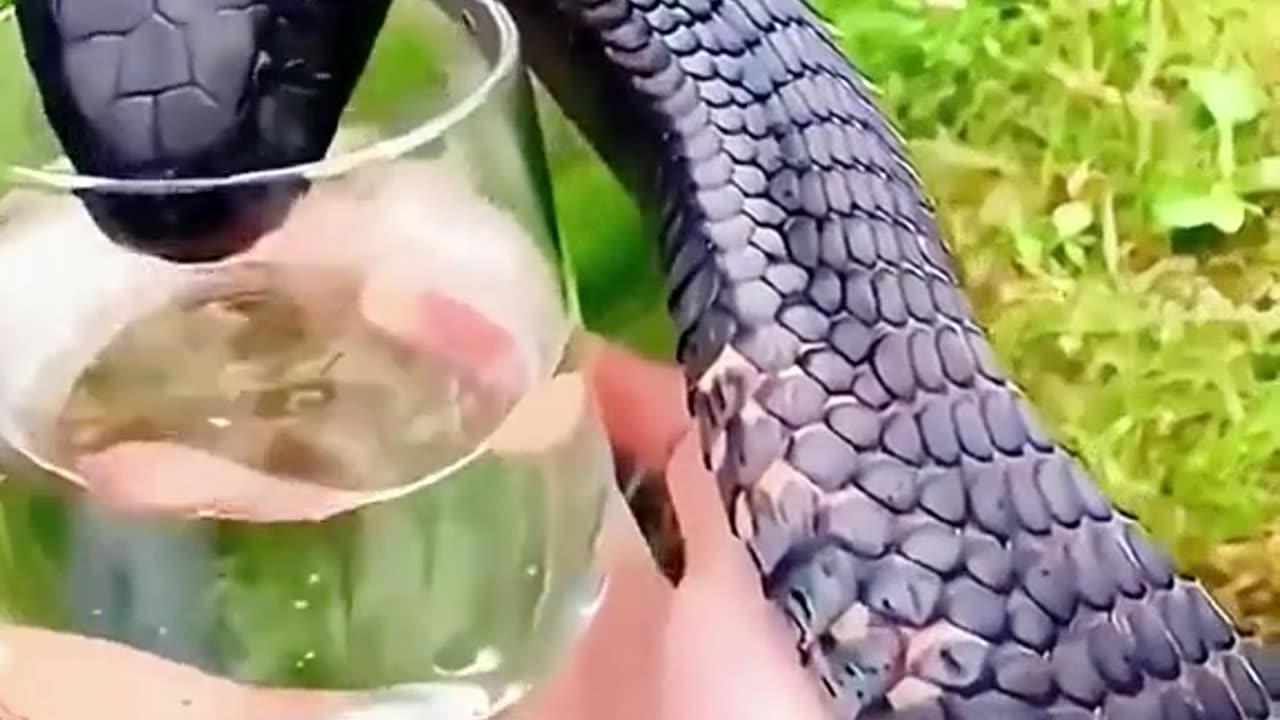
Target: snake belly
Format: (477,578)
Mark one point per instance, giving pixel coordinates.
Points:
(936,553)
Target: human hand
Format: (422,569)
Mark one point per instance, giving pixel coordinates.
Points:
(708,647)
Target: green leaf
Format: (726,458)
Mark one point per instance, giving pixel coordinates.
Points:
(1072,218)
(1075,253)
(1029,248)
(1221,207)
(1231,97)
(13,77)
(1261,176)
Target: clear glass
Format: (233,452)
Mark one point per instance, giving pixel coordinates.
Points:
(359,457)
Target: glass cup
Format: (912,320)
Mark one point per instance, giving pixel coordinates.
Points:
(357,458)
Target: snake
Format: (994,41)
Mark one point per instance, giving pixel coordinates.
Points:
(933,551)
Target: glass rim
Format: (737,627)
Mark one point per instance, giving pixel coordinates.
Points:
(423,133)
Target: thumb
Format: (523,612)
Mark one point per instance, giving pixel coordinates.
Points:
(728,653)
(168,478)
(641,402)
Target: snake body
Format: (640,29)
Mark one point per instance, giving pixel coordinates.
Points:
(936,553)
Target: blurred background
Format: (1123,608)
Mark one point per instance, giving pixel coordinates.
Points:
(1107,173)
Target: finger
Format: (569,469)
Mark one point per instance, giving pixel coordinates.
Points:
(727,657)
(612,665)
(172,479)
(641,402)
(729,653)
(46,675)
(709,544)
(158,476)
(613,671)
(449,331)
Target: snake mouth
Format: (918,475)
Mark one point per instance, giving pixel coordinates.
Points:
(236,179)
(195,227)
(172,90)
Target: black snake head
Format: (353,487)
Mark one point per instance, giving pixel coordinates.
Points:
(185,89)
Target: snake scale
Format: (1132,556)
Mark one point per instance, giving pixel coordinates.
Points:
(937,554)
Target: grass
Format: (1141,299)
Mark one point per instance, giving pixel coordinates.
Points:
(1107,172)
(1108,179)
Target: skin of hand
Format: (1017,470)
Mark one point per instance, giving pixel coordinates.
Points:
(711,647)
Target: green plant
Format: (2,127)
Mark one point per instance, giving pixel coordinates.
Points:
(1107,177)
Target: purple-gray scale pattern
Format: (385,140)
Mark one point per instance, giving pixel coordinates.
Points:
(171,89)
(179,88)
(937,553)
